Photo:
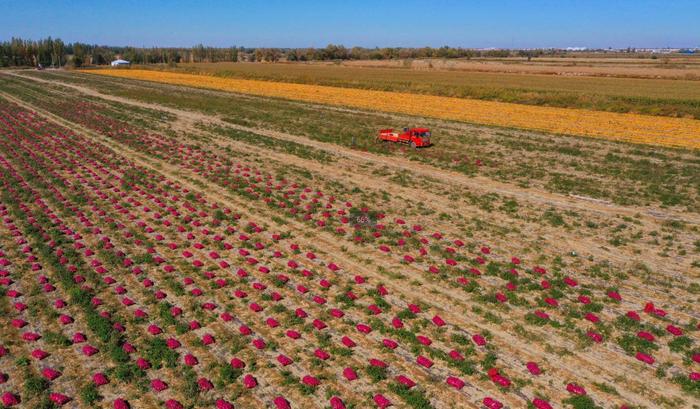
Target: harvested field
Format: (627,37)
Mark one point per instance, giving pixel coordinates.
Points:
(648,96)
(669,67)
(166,244)
(634,128)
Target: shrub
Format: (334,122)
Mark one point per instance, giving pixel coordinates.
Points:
(55,338)
(688,385)
(376,373)
(89,394)
(581,402)
(679,344)
(227,375)
(34,385)
(413,397)
(158,353)
(128,372)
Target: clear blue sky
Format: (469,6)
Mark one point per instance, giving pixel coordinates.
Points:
(369,23)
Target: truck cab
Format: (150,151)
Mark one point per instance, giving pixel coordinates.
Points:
(420,136)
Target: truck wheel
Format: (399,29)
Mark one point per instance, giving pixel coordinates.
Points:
(413,145)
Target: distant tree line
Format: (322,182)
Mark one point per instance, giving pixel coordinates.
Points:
(339,52)
(19,52)
(54,52)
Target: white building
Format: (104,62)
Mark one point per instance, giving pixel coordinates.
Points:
(119,63)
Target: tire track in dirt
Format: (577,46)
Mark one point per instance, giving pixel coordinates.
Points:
(510,344)
(581,245)
(187,121)
(477,183)
(146,163)
(408,368)
(346,170)
(112,299)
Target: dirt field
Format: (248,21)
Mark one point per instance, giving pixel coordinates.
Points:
(671,67)
(501,265)
(496,80)
(677,132)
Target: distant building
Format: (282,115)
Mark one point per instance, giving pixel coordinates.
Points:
(120,63)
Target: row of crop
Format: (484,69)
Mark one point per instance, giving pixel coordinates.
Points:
(548,304)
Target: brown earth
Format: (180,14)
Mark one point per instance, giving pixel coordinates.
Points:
(351,163)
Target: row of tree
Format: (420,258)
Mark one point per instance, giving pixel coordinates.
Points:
(19,52)
(54,52)
(339,52)
(51,52)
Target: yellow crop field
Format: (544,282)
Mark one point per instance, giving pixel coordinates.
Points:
(654,130)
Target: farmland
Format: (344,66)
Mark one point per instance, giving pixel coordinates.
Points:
(563,83)
(189,246)
(581,64)
(626,127)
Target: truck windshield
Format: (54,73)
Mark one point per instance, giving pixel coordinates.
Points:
(424,134)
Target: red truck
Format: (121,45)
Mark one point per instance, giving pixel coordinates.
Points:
(416,137)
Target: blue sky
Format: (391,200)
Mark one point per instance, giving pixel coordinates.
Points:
(410,23)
